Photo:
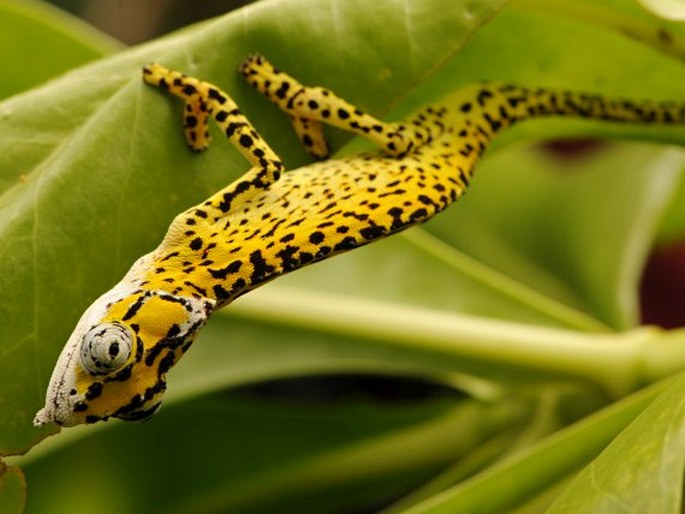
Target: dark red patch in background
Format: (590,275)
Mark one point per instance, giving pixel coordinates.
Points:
(662,292)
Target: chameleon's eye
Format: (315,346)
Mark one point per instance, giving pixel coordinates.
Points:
(106,348)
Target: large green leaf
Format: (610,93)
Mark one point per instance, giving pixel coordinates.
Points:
(522,477)
(641,470)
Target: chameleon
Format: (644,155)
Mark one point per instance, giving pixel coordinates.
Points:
(270,222)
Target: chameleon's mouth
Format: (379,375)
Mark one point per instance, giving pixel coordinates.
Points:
(56,415)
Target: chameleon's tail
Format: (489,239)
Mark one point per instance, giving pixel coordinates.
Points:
(502,105)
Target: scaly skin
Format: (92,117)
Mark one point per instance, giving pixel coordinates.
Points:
(268,223)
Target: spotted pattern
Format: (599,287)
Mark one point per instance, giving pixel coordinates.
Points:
(268,223)
(317,211)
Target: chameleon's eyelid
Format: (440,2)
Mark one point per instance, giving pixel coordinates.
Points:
(106,348)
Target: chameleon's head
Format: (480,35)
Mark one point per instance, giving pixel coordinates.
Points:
(116,360)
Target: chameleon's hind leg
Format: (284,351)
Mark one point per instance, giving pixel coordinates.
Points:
(308,107)
(203,100)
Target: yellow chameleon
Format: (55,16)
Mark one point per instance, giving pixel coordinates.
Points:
(268,222)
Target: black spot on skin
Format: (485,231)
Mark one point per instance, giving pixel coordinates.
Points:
(216,95)
(121,376)
(231,128)
(80,407)
(483,96)
(166,363)
(418,215)
(372,232)
(190,121)
(200,290)
(316,237)
(170,256)
(222,273)
(135,414)
(245,141)
(94,390)
(465,107)
(288,261)
(306,257)
(313,104)
(220,293)
(221,116)
(495,125)
(425,200)
(343,114)
(140,347)
(322,252)
(196,244)
(283,90)
(261,269)
(189,90)
(173,331)
(134,308)
(346,244)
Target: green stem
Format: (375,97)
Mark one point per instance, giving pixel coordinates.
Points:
(497,350)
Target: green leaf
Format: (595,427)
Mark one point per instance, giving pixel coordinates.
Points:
(38,42)
(641,470)
(515,481)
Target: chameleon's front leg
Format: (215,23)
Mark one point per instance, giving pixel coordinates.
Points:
(203,100)
(309,106)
